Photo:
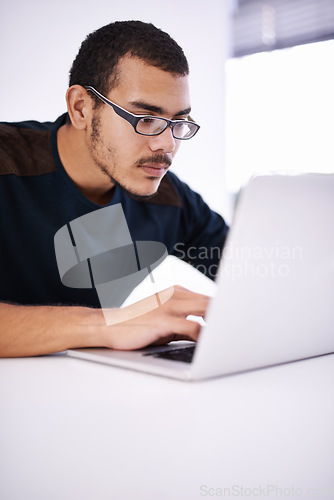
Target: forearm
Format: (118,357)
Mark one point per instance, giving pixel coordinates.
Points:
(37,330)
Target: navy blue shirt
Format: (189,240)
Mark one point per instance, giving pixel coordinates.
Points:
(37,198)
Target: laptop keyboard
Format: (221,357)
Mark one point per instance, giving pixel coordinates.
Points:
(184,354)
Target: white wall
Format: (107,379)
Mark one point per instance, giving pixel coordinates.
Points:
(39,40)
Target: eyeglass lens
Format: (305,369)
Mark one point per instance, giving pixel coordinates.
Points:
(154,126)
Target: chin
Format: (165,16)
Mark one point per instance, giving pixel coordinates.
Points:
(144,194)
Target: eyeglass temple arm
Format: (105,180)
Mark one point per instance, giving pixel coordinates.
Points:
(118,110)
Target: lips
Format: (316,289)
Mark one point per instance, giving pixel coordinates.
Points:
(154,170)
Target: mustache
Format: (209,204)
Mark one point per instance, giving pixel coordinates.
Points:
(157,160)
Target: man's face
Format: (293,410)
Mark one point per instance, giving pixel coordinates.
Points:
(137,162)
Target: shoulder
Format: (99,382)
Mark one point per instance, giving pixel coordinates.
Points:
(190,199)
(196,212)
(25,148)
(167,193)
(174,192)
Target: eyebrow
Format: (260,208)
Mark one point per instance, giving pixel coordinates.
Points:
(156,109)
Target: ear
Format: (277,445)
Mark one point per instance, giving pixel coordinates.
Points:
(79,106)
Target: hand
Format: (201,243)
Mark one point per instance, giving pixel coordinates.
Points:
(157,320)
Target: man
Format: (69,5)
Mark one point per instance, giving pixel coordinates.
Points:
(128,111)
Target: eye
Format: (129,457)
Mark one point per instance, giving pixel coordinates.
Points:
(147,120)
(151,125)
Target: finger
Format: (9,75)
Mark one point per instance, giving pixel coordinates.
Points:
(172,338)
(178,292)
(183,329)
(192,305)
(182,292)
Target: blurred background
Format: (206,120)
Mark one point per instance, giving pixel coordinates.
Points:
(261,77)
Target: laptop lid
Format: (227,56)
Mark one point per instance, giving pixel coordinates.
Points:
(276,280)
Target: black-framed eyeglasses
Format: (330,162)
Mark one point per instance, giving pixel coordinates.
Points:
(151,125)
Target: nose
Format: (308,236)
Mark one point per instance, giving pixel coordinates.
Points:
(163,142)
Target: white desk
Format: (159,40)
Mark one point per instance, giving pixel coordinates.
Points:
(75,430)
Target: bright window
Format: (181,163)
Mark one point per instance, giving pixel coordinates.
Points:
(280,112)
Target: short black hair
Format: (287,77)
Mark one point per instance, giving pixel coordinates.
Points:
(99,54)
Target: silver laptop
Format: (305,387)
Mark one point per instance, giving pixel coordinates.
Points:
(275,287)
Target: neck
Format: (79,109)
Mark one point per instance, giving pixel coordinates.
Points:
(80,167)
